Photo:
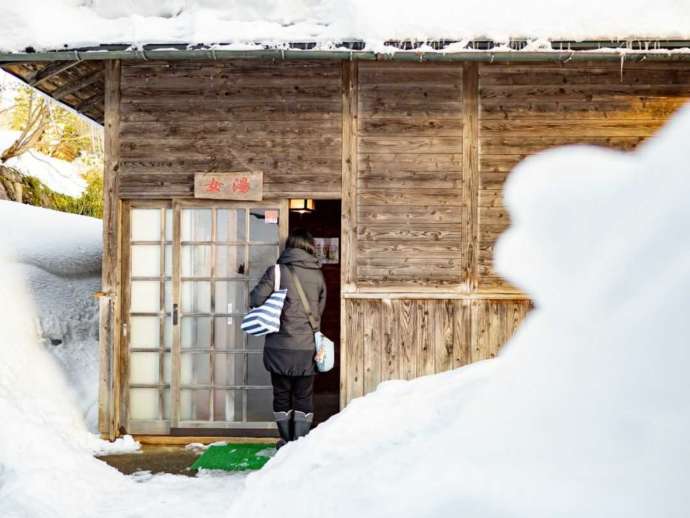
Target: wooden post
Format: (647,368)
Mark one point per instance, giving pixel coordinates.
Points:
(349,212)
(470,173)
(109,332)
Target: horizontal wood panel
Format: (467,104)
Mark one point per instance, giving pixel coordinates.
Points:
(385,163)
(525,109)
(411,126)
(411,197)
(180,118)
(409,204)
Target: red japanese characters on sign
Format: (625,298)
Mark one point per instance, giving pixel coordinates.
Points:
(229,186)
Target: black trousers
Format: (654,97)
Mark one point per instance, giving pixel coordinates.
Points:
(292,393)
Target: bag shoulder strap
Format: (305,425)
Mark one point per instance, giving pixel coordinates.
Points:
(303,298)
(276,277)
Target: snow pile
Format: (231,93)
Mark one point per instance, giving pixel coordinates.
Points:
(585,413)
(76,23)
(59,175)
(59,256)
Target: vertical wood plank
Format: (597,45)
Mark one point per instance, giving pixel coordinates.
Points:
(406,315)
(391,342)
(444,331)
(110,380)
(470,173)
(349,175)
(355,353)
(372,344)
(462,333)
(425,336)
(345,337)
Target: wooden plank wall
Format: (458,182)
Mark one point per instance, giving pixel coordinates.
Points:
(406,338)
(183,117)
(528,108)
(409,175)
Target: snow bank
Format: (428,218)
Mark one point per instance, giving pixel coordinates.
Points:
(59,256)
(59,175)
(75,23)
(585,413)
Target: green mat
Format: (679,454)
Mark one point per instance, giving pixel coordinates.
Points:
(235,457)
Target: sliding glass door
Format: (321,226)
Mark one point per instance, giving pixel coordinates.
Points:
(190,365)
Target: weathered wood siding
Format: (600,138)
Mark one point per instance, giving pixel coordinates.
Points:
(528,108)
(179,118)
(406,338)
(409,175)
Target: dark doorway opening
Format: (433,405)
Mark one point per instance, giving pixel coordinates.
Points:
(324,224)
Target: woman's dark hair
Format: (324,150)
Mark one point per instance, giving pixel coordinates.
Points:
(300,238)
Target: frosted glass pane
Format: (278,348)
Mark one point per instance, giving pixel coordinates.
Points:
(167,373)
(256,372)
(196,297)
(231,225)
(195,369)
(255,342)
(143,368)
(260,258)
(144,332)
(196,224)
(196,261)
(227,405)
(229,334)
(143,403)
(194,405)
(145,225)
(166,404)
(230,369)
(146,260)
(167,333)
(145,297)
(259,230)
(231,297)
(259,405)
(168,296)
(230,261)
(195,332)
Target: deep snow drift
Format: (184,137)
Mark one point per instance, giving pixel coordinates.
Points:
(76,23)
(586,412)
(58,256)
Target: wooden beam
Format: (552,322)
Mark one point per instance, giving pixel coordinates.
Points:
(349,211)
(87,103)
(74,86)
(51,70)
(109,330)
(470,173)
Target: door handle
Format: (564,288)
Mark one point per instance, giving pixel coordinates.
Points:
(175,314)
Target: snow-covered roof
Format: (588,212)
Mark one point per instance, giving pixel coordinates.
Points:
(326,24)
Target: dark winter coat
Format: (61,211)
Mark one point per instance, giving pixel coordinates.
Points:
(291,350)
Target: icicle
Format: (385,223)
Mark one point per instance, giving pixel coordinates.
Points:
(622,63)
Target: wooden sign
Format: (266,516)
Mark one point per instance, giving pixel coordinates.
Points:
(247,186)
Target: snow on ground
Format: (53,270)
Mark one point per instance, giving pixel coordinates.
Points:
(74,23)
(586,412)
(59,175)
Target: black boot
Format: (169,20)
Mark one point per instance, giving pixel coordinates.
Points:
(284,422)
(302,424)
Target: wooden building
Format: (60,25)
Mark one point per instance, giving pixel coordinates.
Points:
(405,156)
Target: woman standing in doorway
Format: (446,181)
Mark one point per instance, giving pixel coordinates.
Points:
(289,354)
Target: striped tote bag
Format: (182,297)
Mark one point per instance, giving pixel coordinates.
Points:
(265,319)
